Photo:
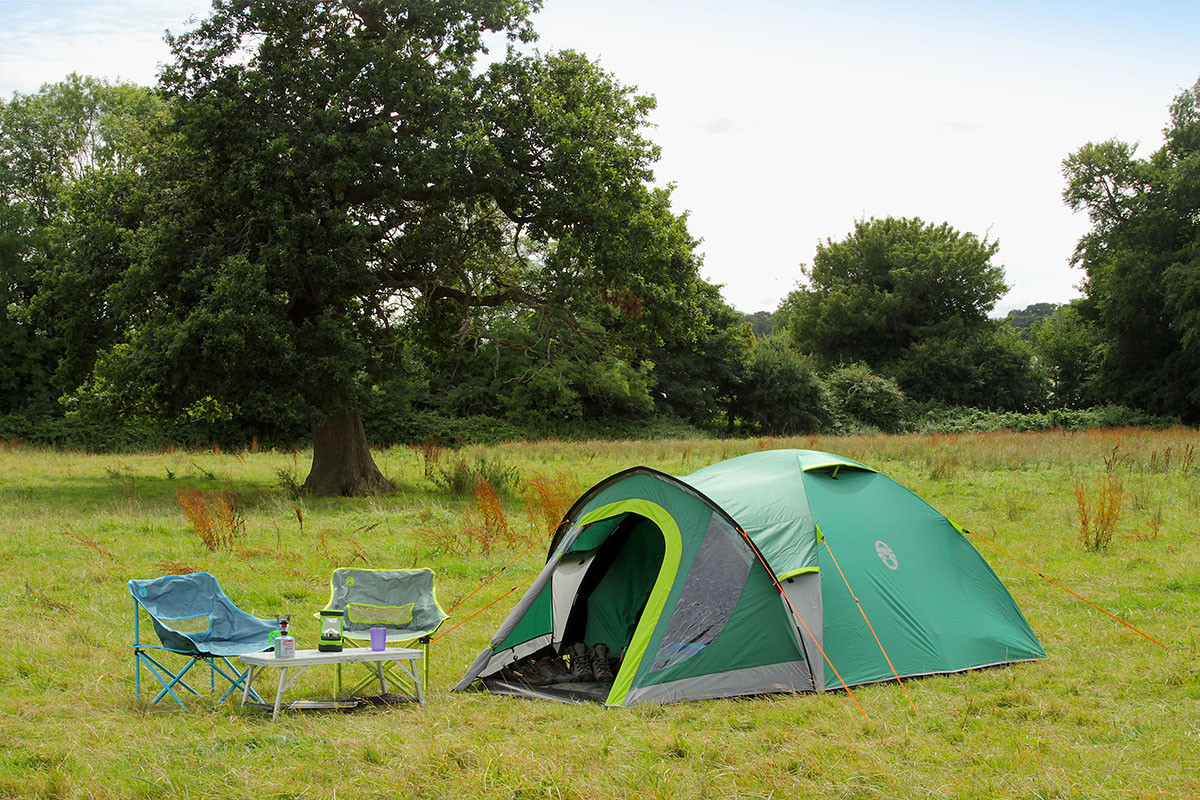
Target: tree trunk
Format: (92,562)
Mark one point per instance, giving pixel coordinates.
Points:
(342,463)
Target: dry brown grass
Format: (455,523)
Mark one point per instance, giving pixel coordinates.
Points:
(493,526)
(547,500)
(175,568)
(215,516)
(88,542)
(346,547)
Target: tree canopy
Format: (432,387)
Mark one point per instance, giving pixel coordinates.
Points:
(892,283)
(910,300)
(341,208)
(1069,347)
(1142,260)
(1022,320)
(70,159)
(344,176)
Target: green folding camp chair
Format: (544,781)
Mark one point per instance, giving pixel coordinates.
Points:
(402,601)
(193,618)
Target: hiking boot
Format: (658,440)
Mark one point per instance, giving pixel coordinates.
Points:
(581,662)
(532,674)
(557,670)
(600,665)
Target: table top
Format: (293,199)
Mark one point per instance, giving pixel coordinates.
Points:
(346,656)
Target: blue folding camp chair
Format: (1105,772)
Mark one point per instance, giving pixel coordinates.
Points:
(193,618)
(402,601)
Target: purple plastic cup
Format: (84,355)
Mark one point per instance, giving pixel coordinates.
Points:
(378,638)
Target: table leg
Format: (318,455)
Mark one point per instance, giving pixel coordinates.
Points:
(279,692)
(411,669)
(246,689)
(379,670)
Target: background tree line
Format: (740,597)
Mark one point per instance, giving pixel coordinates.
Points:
(347,222)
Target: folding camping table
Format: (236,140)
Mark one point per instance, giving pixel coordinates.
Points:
(373,660)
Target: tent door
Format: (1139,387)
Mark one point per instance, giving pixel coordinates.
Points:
(617,584)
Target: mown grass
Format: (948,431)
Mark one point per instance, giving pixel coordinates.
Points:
(1108,714)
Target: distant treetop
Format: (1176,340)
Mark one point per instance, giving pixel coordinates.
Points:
(1025,318)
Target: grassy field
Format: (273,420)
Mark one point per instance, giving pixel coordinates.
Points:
(1107,715)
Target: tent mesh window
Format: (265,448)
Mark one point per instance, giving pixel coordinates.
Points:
(709,596)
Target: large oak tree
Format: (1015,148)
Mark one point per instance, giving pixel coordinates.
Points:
(342,174)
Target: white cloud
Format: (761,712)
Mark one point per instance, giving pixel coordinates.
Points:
(44,42)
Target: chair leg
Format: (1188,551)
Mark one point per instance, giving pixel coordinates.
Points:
(425,641)
(178,679)
(236,680)
(137,654)
(168,685)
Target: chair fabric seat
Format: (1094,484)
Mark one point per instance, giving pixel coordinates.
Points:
(194,618)
(372,598)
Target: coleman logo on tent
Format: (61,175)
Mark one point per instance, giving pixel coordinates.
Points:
(887,556)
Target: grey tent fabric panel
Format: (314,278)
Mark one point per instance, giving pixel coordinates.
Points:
(510,623)
(500,660)
(489,662)
(564,588)
(803,592)
(531,594)
(774,678)
(476,668)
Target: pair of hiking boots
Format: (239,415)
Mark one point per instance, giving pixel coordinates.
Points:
(588,664)
(539,673)
(591,663)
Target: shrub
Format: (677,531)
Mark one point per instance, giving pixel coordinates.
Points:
(984,368)
(286,478)
(781,393)
(1098,518)
(461,477)
(430,451)
(547,501)
(974,420)
(866,398)
(493,524)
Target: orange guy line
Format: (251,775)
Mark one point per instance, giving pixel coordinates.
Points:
(796,614)
(825,540)
(1068,591)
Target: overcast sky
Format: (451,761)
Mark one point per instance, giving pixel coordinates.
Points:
(782,122)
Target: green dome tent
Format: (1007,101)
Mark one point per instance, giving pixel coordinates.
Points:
(724,583)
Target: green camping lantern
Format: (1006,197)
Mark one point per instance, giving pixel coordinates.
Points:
(331,631)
